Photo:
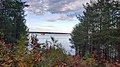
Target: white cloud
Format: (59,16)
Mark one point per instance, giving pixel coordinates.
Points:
(56,6)
(60,18)
(48,29)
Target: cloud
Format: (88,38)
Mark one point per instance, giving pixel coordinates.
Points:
(45,29)
(42,28)
(56,6)
(49,26)
(61,18)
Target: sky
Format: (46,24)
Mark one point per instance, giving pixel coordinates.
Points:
(53,15)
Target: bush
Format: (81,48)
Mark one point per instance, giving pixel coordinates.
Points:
(47,57)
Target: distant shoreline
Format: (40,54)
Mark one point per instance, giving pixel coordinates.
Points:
(49,32)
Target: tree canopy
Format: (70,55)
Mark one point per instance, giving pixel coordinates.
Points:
(12,20)
(99,28)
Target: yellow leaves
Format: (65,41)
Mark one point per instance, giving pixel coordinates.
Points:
(1,59)
(56,66)
(20,64)
(6,62)
(21,59)
(9,61)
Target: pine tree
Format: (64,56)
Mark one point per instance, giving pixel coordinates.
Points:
(12,20)
(100,23)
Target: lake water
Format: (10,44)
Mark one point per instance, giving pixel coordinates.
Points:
(62,38)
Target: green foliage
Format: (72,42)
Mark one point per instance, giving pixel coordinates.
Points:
(12,21)
(21,57)
(99,25)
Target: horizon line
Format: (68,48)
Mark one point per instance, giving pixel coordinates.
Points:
(49,32)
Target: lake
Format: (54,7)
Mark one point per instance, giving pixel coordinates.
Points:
(62,38)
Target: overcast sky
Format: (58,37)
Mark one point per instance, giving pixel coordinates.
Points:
(53,15)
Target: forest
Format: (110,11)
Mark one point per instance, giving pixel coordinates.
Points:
(98,31)
(96,38)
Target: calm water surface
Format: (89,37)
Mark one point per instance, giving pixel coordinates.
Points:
(62,38)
